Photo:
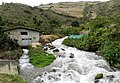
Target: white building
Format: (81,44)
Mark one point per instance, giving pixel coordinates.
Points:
(24,36)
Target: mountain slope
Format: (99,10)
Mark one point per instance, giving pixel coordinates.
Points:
(15,14)
(75,9)
(110,8)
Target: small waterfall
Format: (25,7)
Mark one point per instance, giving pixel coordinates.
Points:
(76,66)
(25,67)
(24,61)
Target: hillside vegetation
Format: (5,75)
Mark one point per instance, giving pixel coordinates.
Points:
(15,14)
(75,9)
(110,8)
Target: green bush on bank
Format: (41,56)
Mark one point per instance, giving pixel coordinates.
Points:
(5,78)
(39,58)
(111,52)
(67,30)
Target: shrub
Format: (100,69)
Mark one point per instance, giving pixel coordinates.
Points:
(111,52)
(75,24)
(5,41)
(67,30)
(39,58)
(5,78)
(10,54)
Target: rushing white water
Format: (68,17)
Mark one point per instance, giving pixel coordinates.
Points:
(24,61)
(75,66)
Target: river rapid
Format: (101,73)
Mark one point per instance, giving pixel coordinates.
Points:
(73,66)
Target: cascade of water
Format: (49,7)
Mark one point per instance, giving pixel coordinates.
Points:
(75,66)
(24,60)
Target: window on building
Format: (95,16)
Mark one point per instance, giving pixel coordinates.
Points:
(26,39)
(24,33)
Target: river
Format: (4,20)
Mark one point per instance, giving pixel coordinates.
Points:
(71,66)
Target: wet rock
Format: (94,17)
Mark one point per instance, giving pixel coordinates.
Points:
(45,49)
(53,70)
(63,56)
(62,49)
(59,74)
(51,47)
(49,77)
(48,44)
(56,50)
(38,80)
(99,76)
(71,55)
(98,52)
(110,77)
(96,81)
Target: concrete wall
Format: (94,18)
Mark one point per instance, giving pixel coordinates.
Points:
(8,66)
(16,34)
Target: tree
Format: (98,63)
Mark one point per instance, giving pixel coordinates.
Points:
(54,22)
(5,41)
(75,23)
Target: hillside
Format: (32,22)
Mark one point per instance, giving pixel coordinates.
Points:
(75,9)
(103,23)
(15,14)
(110,8)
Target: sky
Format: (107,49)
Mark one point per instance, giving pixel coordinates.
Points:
(38,2)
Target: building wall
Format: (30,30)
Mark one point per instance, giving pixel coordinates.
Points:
(8,66)
(16,34)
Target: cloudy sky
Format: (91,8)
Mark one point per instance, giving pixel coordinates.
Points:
(38,2)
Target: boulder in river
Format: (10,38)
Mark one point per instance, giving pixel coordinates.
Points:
(48,44)
(62,49)
(52,47)
(71,55)
(96,81)
(99,76)
(56,50)
(45,48)
(110,77)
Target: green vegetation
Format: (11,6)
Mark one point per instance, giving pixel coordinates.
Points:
(5,78)
(45,21)
(67,30)
(104,37)
(6,42)
(102,9)
(111,52)
(39,58)
(11,54)
(74,9)
(75,24)
(8,47)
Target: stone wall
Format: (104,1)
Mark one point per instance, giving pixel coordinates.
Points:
(8,66)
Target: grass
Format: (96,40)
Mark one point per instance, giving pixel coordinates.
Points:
(75,9)
(39,58)
(6,78)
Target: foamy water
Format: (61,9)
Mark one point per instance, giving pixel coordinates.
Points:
(82,68)
(72,66)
